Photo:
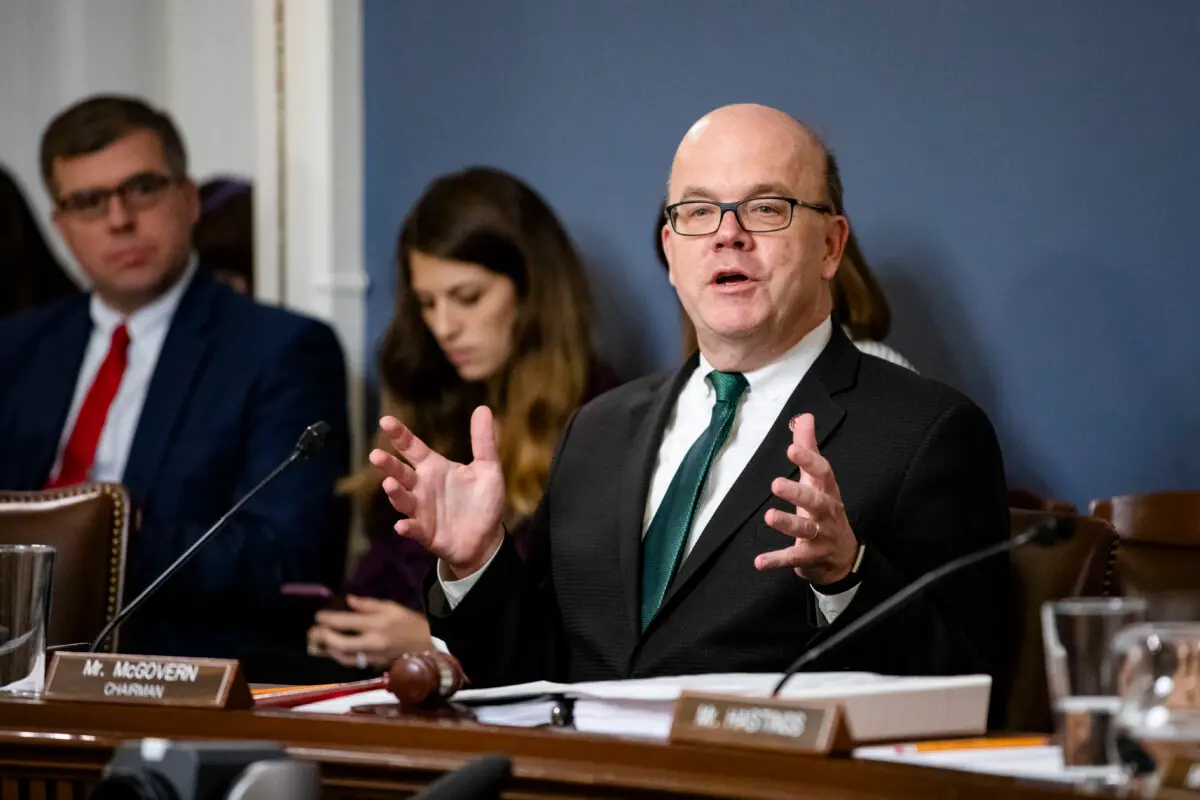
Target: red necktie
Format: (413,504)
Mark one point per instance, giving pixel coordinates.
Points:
(80,451)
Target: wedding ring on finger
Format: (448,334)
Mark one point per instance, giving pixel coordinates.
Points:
(360,660)
(315,649)
(817,531)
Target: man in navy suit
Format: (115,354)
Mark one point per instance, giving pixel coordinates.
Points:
(182,389)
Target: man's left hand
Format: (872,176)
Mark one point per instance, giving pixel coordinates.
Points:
(825,546)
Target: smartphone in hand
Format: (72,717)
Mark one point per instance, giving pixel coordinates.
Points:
(319,596)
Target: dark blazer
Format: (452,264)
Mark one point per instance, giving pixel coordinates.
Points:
(235,385)
(922,480)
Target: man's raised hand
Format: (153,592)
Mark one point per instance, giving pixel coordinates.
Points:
(452,509)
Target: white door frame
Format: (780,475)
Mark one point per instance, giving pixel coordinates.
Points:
(309,172)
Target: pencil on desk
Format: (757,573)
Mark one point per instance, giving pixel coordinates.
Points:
(303,695)
(270,690)
(973,744)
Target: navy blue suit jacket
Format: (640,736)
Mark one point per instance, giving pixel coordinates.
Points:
(235,385)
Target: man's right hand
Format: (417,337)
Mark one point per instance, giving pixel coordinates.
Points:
(453,509)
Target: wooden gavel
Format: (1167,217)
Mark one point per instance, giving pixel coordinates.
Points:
(418,680)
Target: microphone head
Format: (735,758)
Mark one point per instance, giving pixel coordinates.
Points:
(482,779)
(1055,530)
(313,439)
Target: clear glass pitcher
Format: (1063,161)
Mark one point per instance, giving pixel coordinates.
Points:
(1156,731)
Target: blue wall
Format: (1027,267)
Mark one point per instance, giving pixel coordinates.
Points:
(1024,177)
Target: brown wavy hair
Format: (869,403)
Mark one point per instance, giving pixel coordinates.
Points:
(490,218)
(858,299)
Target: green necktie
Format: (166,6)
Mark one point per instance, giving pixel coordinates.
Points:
(663,544)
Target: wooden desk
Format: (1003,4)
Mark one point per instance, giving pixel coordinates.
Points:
(56,751)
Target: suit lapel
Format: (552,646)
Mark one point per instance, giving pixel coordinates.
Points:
(42,414)
(648,419)
(181,360)
(833,372)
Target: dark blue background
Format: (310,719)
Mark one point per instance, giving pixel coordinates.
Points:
(1023,176)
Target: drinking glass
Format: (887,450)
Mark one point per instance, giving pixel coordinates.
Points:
(25,575)
(1078,635)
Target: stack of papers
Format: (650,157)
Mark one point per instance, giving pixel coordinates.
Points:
(877,707)
(1039,763)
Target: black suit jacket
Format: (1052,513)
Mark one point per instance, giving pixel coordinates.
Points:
(235,385)
(921,477)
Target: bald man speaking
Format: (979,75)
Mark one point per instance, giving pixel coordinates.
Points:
(729,515)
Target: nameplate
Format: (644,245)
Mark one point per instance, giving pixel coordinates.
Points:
(810,726)
(147,680)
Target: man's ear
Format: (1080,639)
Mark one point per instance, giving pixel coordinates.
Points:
(666,238)
(56,215)
(837,233)
(192,195)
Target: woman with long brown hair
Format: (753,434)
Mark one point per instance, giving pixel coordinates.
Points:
(861,307)
(493,308)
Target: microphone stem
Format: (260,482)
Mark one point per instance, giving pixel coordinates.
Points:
(188,554)
(899,599)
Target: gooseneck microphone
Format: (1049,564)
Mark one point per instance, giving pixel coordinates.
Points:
(309,444)
(482,779)
(1055,531)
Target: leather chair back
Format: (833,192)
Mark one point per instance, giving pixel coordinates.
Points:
(88,526)
(1159,557)
(1080,567)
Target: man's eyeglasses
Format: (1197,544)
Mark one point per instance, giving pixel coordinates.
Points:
(756,215)
(138,193)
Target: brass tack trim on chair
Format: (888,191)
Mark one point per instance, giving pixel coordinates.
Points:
(118,516)
(1111,567)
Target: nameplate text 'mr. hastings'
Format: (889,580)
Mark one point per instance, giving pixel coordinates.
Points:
(810,726)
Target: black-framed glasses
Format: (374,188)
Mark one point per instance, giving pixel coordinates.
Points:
(137,192)
(755,215)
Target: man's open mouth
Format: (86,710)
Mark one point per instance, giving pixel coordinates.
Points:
(730,276)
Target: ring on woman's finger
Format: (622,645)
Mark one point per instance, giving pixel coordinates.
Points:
(360,660)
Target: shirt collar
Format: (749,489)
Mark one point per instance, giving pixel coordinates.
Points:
(782,374)
(147,318)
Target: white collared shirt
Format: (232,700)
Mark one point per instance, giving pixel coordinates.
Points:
(763,400)
(147,329)
(768,391)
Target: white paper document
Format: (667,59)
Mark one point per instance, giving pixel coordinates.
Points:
(877,707)
(1040,763)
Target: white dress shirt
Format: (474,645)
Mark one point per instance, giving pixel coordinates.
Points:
(879,350)
(768,391)
(147,328)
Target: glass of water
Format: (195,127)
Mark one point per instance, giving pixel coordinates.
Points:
(25,575)
(1081,670)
